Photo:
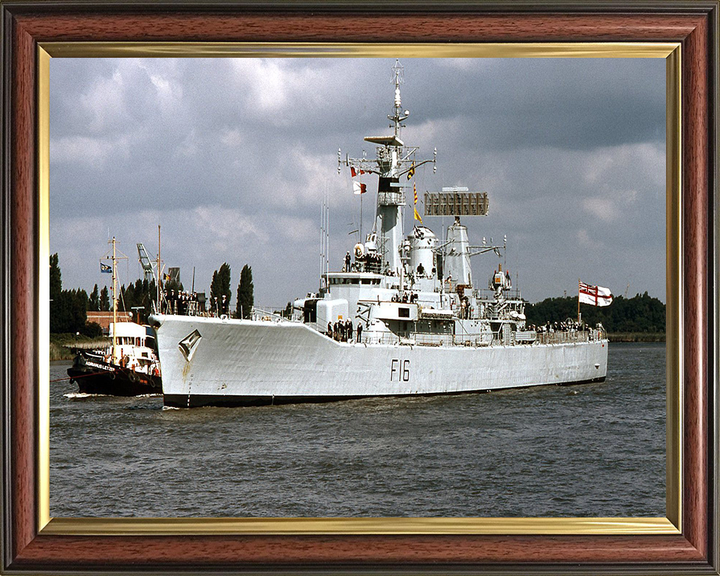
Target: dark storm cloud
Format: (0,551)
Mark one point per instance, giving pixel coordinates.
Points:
(209,128)
(575,104)
(234,157)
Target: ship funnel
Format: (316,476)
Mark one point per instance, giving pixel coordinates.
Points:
(423,244)
(457,257)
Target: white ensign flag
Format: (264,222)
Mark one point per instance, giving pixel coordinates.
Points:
(594,295)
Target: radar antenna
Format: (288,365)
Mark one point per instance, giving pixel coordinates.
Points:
(456,201)
(398,115)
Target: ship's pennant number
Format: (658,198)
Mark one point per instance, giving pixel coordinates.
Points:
(399,370)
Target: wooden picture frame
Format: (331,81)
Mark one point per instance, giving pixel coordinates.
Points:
(689,540)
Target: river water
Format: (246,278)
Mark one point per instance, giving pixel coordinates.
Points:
(585,450)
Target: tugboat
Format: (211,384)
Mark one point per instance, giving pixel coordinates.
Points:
(127,366)
(133,369)
(403,316)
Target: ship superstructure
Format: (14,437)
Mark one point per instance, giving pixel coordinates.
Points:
(403,315)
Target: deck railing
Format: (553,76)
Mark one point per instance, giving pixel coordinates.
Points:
(562,337)
(480,340)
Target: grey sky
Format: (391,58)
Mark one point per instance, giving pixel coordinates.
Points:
(232,157)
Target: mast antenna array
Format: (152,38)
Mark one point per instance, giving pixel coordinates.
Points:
(390,164)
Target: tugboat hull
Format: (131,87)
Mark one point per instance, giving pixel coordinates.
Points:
(94,377)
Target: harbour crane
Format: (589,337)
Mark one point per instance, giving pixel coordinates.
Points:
(145,262)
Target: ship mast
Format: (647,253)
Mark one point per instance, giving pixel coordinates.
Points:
(159,272)
(114,259)
(114,303)
(398,117)
(393,160)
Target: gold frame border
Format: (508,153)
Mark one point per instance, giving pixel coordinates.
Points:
(346,526)
(354,50)
(43,275)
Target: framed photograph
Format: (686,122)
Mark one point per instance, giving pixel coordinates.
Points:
(435,536)
(218,210)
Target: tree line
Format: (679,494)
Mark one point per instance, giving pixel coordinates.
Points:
(641,313)
(220,286)
(69,308)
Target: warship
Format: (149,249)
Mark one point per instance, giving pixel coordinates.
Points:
(402,317)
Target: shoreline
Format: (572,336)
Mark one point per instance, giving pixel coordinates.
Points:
(58,351)
(636,336)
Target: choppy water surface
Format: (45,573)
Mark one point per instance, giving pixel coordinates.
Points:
(588,450)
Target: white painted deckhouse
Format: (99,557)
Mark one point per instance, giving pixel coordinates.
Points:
(420,324)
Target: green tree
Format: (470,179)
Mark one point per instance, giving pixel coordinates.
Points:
(55,277)
(104,299)
(127,300)
(642,313)
(70,312)
(92,329)
(145,295)
(60,313)
(94,300)
(245,294)
(68,308)
(141,295)
(77,310)
(56,302)
(220,285)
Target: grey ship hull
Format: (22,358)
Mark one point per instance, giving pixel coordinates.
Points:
(244,362)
